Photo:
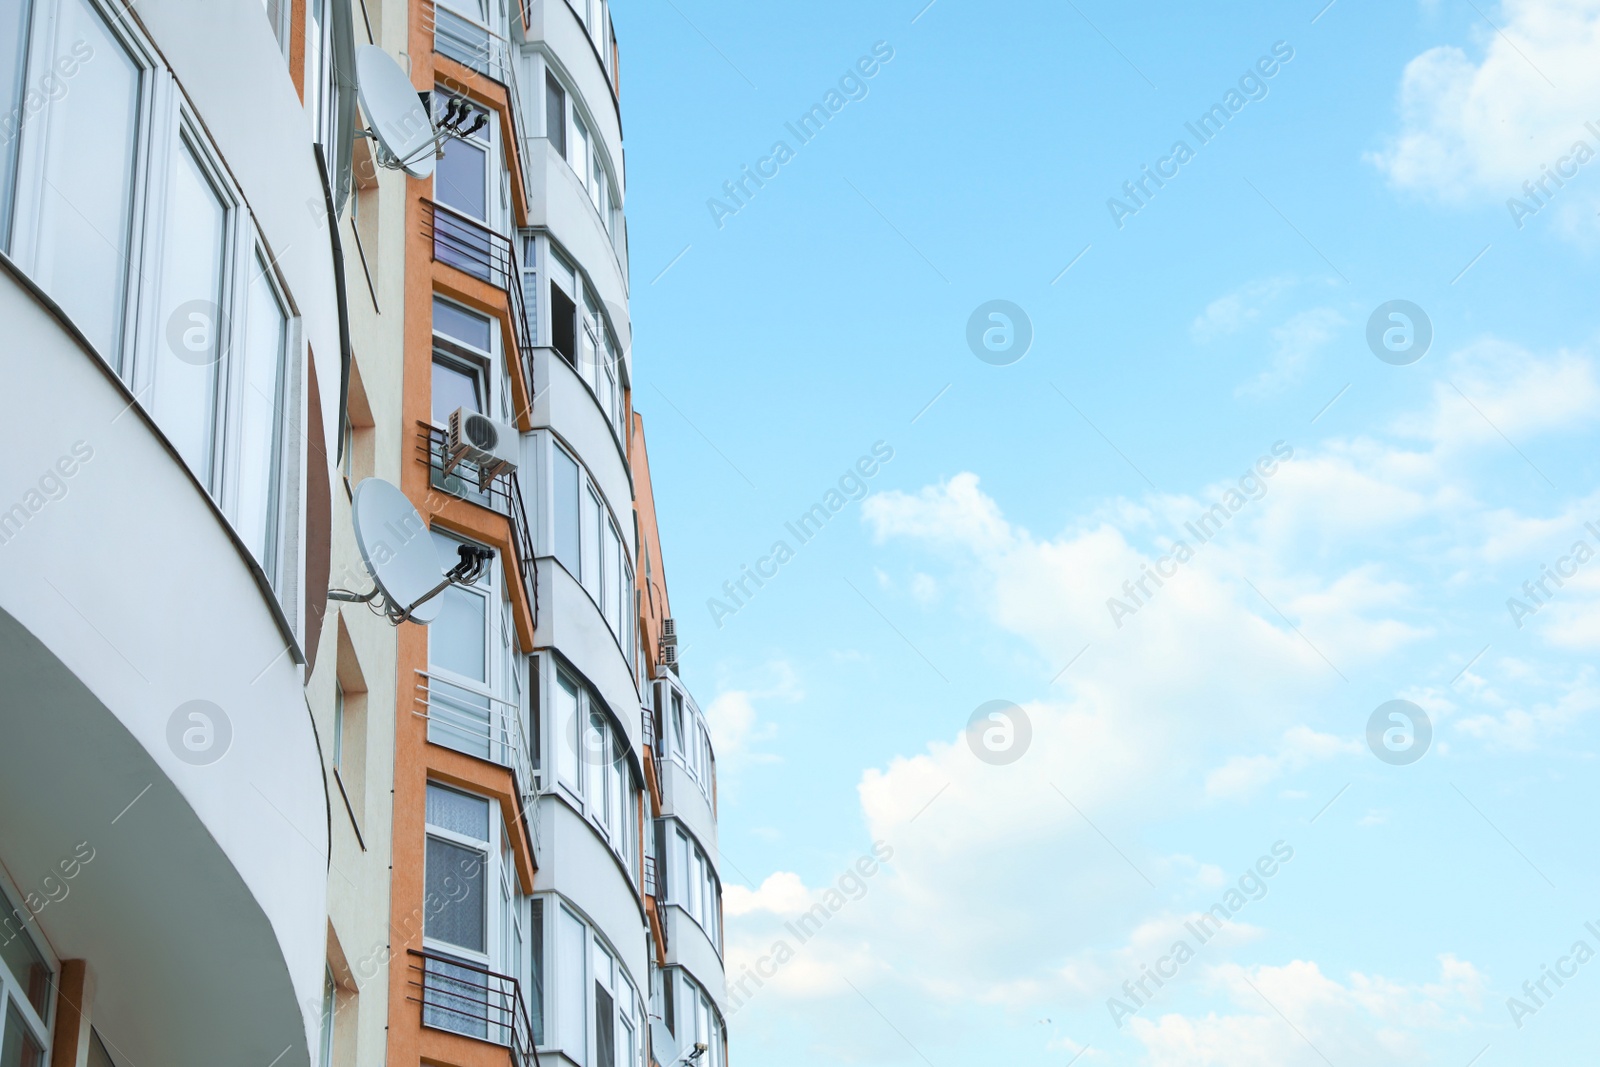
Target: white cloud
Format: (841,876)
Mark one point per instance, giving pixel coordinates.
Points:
(1231,313)
(1204,693)
(1370,1019)
(1478,129)
(1294,345)
(736,727)
(1243,775)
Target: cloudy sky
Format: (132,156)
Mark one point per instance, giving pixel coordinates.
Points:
(1206,346)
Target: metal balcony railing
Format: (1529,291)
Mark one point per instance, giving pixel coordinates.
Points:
(650,887)
(486,727)
(480,50)
(503,495)
(464,998)
(471,247)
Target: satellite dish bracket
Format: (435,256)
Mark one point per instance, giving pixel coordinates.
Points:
(474,560)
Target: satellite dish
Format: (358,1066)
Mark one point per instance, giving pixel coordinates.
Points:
(398,549)
(400,122)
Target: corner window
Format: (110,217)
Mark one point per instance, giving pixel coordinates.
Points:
(14,24)
(461,179)
(211,353)
(26,986)
(599,1012)
(76,171)
(568,533)
(261,420)
(555,114)
(193,258)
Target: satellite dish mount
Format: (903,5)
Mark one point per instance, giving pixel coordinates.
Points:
(398,550)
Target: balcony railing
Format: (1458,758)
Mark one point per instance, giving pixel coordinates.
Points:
(464,998)
(481,50)
(503,494)
(471,247)
(488,728)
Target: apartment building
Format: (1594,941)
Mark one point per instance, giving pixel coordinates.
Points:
(281,828)
(554,806)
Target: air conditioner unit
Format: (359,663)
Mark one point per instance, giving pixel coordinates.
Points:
(491,446)
(669,655)
(669,631)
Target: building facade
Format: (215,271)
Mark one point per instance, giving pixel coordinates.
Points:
(280,827)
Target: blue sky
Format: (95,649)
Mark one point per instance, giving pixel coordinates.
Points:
(774,350)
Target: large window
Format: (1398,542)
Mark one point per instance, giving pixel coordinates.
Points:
(599,1014)
(582,333)
(592,767)
(460,643)
(113,199)
(691,879)
(587,541)
(569,134)
(690,1017)
(475,915)
(688,738)
(26,987)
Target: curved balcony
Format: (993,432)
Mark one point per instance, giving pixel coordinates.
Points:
(558,202)
(567,39)
(583,869)
(689,947)
(155,712)
(567,405)
(571,623)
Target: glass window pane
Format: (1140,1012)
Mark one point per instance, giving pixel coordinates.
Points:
(571,938)
(594,756)
(605,1034)
(193,334)
(455,895)
(458,638)
(265,328)
(460,813)
(536,951)
(465,326)
(566,730)
(14,22)
(87,204)
(23,958)
(555,115)
(461,178)
(591,545)
(565,509)
(19,1049)
(455,386)
(580,150)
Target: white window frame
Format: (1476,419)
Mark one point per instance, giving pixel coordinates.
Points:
(19,923)
(505,907)
(494,374)
(603,790)
(629,1008)
(591,543)
(165,121)
(496,207)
